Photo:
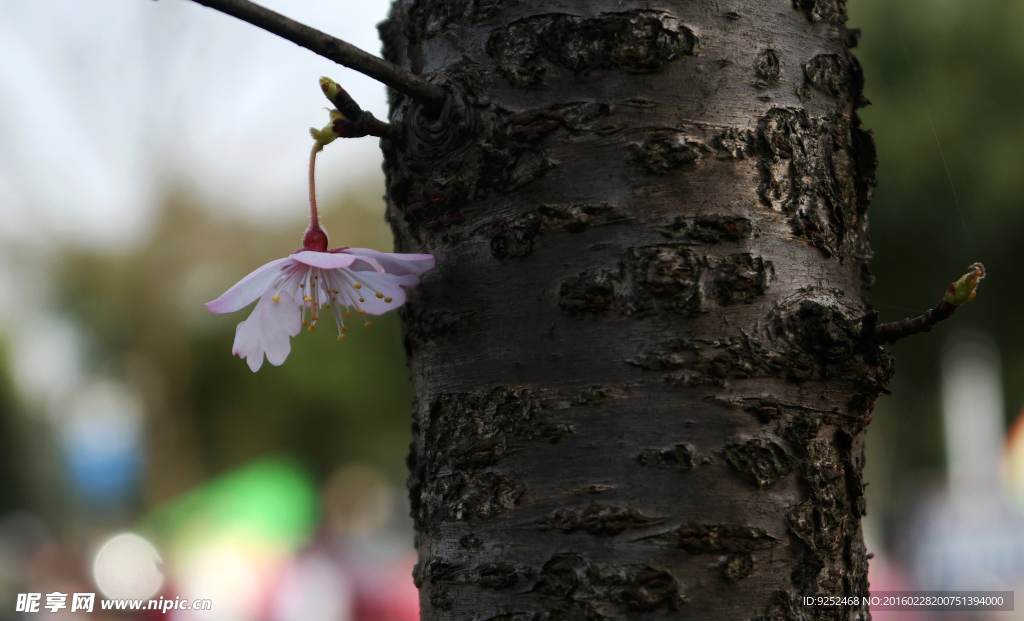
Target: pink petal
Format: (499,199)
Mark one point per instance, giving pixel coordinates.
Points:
(394,255)
(368,261)
(324,260)
(248,289)
(268,330)
(394,263)
(386,284)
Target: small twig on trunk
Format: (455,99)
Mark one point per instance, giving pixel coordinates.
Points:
(352,121)
(348,120)
(959,293)
(405,82)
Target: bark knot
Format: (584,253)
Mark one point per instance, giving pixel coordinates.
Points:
(542,46)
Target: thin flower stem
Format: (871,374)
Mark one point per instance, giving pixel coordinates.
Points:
(313,221)
(405,82)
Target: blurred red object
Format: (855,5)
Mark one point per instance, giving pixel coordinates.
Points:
(384,591)
(885,576)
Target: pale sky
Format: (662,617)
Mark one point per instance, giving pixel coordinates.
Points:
(106,102)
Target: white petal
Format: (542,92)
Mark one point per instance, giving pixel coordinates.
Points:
(268,331)
(249,288)
(243,348)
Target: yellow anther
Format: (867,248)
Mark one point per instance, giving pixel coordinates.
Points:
(341,337)
(305,323)
(276,298)
(380,295)
(306,298)
(367,325)
(348,314)
(361,312)
(358,286)
(312,328)
(388,300)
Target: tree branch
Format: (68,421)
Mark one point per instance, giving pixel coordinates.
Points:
(959,293)
(339,51)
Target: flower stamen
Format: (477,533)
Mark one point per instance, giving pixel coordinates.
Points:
(355,281)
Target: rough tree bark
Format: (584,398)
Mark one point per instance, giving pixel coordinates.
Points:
(642,385)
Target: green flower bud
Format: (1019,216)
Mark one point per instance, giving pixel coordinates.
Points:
(330,88)
(326,135)
(964,290)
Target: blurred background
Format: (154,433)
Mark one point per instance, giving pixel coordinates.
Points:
(945,451)
(151,153)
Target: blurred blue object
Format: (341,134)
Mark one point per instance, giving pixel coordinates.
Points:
(108,474)
(102,444)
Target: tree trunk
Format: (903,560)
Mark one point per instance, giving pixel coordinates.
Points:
(641,382)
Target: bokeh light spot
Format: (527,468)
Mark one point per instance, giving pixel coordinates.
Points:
(128,567)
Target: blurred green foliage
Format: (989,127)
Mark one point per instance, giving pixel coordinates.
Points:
(272,500)
(12,492)
(957,66)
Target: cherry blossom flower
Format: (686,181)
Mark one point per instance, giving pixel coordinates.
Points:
(294,291)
